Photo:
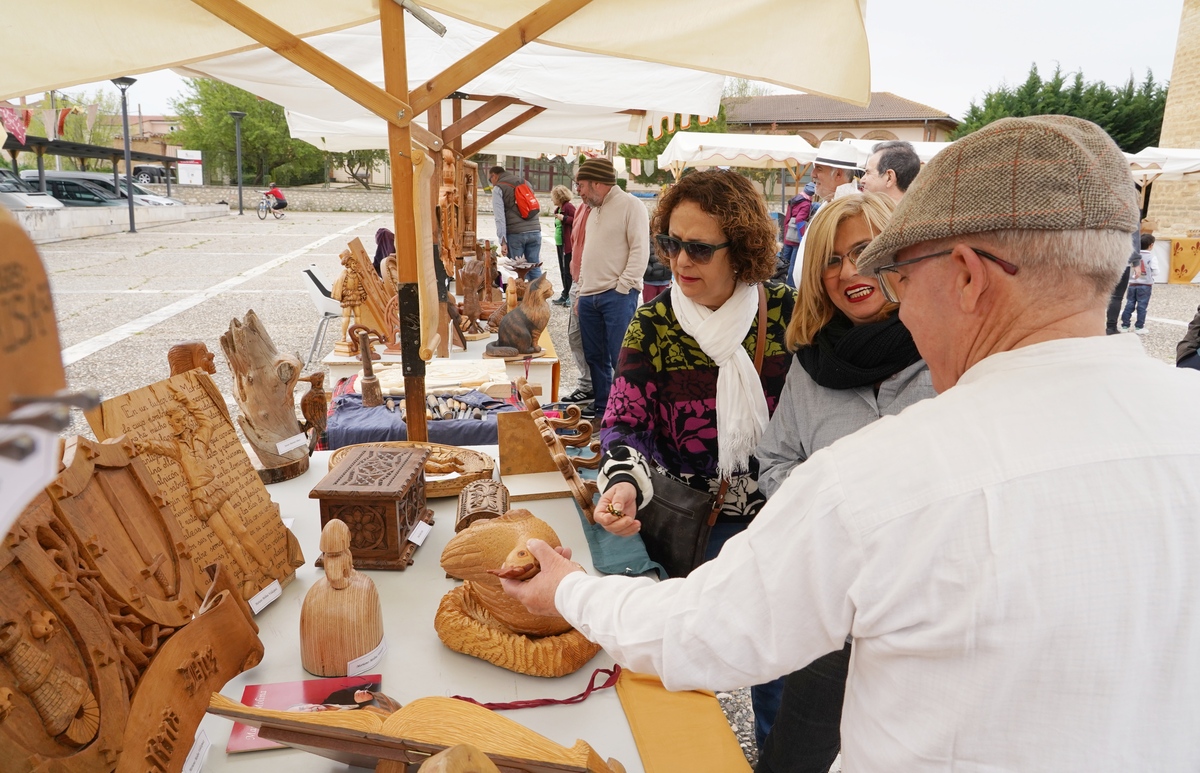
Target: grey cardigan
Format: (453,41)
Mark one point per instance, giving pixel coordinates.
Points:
(810,417)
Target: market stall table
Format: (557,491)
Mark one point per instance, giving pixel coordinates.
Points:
(417,664)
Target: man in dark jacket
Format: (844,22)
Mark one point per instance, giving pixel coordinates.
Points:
(520,237)
(1185,352)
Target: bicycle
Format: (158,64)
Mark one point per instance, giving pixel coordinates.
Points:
(267,204)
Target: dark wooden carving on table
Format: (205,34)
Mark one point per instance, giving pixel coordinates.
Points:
(480,500)
(520,328)
(188,355)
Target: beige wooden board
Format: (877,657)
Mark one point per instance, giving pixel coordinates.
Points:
(536,485)
(522,449)
(142,415)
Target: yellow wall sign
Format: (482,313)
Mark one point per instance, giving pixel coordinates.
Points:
(1185,260)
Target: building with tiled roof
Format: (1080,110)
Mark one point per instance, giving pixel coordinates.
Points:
(887,117)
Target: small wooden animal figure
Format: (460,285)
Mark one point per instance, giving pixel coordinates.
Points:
(458,322)
(314,407)
(189,355)
(473,278)
(341,618)
(521,328)
(496,318)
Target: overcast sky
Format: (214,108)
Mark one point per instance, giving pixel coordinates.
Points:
(946,53)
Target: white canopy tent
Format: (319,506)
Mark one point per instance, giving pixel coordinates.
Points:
(1152,164)
(925,150)
(757,151)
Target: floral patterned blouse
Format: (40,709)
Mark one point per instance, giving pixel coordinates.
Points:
(663,403)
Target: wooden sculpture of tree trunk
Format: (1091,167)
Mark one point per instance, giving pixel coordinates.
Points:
(264,382)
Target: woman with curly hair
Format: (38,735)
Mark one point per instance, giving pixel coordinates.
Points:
(686,398)
(855,362)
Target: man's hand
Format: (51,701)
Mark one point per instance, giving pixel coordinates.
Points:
(537,594)
(621,497)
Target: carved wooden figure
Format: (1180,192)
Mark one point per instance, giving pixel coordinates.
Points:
(583,491)
(183,430)
(481,500)
(372,395)
(373,337)
(341,618)
(314,407)
(186,355)
(415,732)
(349,290)
(473,281)
(521,327)
(480,619)
(380,494)
(264,385)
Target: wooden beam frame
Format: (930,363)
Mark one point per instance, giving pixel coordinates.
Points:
(495,50)
(387,106)
(491,137)
(477,116)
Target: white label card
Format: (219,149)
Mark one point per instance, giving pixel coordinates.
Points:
(295,441)
(199,753)
(266,596)
(369,661)
(21,479)
(419,532)
(287,522)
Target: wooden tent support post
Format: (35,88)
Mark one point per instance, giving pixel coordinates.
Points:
(477,116)
(491,137)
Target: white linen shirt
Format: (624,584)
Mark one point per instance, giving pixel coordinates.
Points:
(1018,560)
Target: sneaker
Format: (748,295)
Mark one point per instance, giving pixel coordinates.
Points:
(588,413)
(1124,328)
(1140,331)
(578,396)
(561,301)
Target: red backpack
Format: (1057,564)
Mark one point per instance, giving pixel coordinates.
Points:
(523,196)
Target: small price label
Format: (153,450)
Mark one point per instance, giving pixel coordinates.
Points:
(266,596)
(419,532)
(367,662)
(199,753)
(295,441)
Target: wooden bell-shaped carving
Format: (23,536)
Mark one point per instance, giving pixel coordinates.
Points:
(341,619)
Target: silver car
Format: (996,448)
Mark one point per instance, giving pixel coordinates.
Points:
(141,196)
(18,195)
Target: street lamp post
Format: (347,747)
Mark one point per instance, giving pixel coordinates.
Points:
(237,116)
(123,84)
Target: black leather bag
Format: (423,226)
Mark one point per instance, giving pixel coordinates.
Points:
(678,519)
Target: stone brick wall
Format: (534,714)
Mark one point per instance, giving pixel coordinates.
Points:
(300,199)
(1175,206)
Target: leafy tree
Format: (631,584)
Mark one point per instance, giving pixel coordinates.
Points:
(1132,114)
(359,164)
(653,147)
(268,151)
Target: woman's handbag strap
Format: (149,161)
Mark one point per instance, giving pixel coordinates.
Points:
(761,347)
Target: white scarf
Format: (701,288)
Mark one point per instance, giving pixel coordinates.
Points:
(741,404)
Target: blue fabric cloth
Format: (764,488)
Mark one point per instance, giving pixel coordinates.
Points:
(527,247)
(351,423)
(603,320)
(612,554)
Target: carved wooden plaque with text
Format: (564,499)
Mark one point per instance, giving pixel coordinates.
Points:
(181,429)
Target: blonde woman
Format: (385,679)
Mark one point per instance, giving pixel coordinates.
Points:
(564,220)
(854,363)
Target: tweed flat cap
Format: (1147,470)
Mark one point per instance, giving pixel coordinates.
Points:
(1043,173)
(599,170)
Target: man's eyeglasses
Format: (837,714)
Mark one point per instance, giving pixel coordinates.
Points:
(889,275)
(697,252)
(833,264)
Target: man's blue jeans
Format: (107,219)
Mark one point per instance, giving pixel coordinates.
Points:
(527,245)
(603,320)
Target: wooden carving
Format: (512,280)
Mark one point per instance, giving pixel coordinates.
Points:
(414,733)
(373,337)
(341,618)
(463,758)
(473,281)
(187,355)
(480,619)
(182,429)
(583,491)
(380,494)
(481,500)
(107,655)
(450,204)
(372,395)
(521,327)
(349,290)
(314,407)
(447,470)
(264,385)
(458,323)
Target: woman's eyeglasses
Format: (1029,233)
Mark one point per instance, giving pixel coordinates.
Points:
(697,252)
(833,264)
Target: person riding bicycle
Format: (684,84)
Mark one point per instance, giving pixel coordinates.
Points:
(280,200)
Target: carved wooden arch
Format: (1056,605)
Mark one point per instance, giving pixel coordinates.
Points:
(837,134)
(809,137)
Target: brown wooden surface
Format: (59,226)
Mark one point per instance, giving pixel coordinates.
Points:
(521,447)
(479,501)
(264,384)
(371,472)
(470,465)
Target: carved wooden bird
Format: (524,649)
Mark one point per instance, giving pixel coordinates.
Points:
(314,407)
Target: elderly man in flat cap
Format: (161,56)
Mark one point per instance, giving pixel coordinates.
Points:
(1015,558)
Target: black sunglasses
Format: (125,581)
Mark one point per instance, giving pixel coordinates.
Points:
(697,252)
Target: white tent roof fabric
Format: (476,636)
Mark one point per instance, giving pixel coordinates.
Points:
(582,92)
(760,151)
(741,38)
(1154,164)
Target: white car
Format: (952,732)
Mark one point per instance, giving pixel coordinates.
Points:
(18,195)
(141,196)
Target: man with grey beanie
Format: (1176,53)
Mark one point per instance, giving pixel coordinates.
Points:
(1016,557)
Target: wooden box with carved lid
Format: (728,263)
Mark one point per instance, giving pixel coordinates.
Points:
(380,494)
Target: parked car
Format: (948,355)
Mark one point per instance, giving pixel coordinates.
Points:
(151,174)
(104,180)
(81,193)
(18,195)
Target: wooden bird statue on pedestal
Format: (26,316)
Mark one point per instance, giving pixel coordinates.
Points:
(341,618)
(314,407)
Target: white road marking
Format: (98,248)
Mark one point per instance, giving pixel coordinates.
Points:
(73,354)
(173,292)
(1166,321)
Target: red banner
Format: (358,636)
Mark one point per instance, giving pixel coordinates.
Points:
(14,124)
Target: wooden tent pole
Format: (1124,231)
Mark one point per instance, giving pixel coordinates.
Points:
(477,116)
(456,116)
(400,150)
(491,137)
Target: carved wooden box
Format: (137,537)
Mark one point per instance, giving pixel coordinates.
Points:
(481,499)
(380,494)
